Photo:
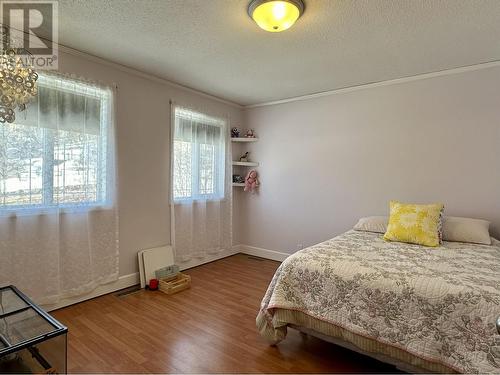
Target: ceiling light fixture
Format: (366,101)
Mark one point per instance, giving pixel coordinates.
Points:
(275,15)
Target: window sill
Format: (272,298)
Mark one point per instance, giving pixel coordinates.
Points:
(199,200)
(60,209)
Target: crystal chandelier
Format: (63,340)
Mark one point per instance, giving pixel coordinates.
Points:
(17,80)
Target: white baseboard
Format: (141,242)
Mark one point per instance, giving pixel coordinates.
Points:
(262,253)
(123,282)
(198,262)
(132,279)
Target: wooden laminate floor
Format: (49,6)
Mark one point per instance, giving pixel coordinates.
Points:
(209,328)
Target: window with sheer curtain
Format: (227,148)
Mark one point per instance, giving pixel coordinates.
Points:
(201,209)
(58,211)
(55,152)
(198,157)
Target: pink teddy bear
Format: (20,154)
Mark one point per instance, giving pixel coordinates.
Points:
(251,181)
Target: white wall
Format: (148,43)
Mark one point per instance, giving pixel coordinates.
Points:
(143,121)
(325,162)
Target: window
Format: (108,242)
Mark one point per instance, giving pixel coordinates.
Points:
(56,152)
(198,156)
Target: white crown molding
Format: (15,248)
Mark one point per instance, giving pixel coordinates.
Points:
(138,73)
(124,68)
(151,77)
(396,81)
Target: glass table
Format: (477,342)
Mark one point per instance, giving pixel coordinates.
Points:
(31,341)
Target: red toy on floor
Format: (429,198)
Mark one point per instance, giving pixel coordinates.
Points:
(153,284)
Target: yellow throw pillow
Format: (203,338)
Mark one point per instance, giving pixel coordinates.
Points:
(415,223)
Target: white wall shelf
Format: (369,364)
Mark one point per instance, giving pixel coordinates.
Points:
(243,163)
(243,139)
(246,163)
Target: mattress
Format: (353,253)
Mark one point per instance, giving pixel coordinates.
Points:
(434,308)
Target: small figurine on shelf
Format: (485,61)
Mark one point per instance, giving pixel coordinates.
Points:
(251,181)
(244,157)
(235,133)
(238,179)
(250,134)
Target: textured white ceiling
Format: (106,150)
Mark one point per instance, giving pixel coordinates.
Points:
(213,46)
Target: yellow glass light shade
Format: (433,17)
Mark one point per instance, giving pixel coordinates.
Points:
(275,15)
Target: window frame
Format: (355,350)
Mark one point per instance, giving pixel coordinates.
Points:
(219,193)
(104,198)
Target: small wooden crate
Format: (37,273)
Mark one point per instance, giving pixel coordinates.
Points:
(175,284)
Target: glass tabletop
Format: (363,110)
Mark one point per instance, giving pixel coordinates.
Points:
(10,301)
(23,326)
(22,322)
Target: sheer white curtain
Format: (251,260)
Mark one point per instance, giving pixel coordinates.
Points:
(58,214)
(201,193)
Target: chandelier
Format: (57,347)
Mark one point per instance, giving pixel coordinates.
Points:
(17,79)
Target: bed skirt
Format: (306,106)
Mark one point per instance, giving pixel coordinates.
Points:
(275,331)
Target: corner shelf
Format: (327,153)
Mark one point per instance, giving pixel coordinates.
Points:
(243,139)
(243,163)
(246,163)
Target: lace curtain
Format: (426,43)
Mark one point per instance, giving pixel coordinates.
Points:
(58,216)
(201,186)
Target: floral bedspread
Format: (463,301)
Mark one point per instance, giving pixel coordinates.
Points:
(439,304)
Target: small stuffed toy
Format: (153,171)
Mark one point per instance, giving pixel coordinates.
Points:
(244,157)
(250,133)
(238,179)
(251,181)
(235,133)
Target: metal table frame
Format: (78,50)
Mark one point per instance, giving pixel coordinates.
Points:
(59,329)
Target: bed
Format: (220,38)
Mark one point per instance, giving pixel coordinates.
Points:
(427,309)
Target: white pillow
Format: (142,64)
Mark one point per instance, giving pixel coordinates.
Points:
(455,229)
(463,229)
(377,224)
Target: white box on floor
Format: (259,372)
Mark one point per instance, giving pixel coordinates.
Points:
(151,260)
